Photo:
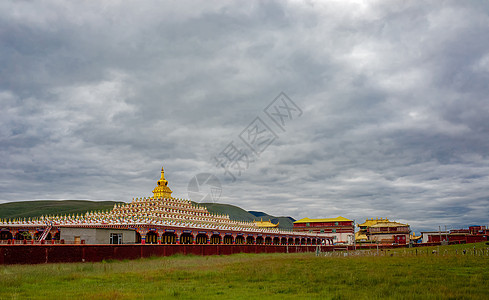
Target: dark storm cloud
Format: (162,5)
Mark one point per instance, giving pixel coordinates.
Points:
(95,97)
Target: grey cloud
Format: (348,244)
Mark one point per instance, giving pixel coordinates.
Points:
(96,96)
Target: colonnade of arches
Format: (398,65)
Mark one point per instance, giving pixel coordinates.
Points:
(153,237)
(27,235)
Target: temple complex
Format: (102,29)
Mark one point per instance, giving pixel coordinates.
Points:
(383,231)
(159,219)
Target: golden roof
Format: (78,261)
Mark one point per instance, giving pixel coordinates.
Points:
(370,222)
(265,224)
(388,224)
(307,220)
(360,236)
(415,237)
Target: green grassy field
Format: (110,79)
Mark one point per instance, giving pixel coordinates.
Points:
(394,274)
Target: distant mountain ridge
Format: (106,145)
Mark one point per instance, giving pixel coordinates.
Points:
(284,222)
(37,208)
(237,213)
(258,213)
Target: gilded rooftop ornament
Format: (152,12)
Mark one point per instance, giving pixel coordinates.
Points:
(162,190)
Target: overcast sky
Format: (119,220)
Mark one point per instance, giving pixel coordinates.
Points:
(388,104)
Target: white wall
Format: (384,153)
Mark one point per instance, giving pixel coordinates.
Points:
(95,235)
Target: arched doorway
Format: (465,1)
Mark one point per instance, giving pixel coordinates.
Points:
(250,240)
(37,235)
(186,238)
(228,239)
(276,241)
(303,241)
(201,238)
(283,241)
(240,240)
(5,235)
(259,240)
(297,241)
(314,241)
(215,239)
(308,241)
(169,238)
(24,235)
(290,241)
(152,237)
(138,238)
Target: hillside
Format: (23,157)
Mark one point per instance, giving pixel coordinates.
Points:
(26,209)
(237,213)
(234,212)
(284,222)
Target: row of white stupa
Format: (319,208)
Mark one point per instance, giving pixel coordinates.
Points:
(149,211)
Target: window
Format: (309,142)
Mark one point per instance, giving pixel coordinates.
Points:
(322,230)
(334,230)
(335,223)
(116,238)
(307,224)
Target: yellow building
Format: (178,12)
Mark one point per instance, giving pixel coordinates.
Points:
(383,231)
(361,234)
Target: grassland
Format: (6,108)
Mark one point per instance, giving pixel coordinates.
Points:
(394,274)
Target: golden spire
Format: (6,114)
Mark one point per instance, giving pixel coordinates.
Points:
(162,180)
(162,190)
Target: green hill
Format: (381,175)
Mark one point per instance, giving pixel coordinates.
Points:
(234,212)
(283,222)
(26,209)
(237,213)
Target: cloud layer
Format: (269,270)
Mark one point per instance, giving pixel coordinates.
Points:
(96,96)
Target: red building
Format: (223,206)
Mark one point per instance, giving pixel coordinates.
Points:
(473,234)
(341,229)
(389,233)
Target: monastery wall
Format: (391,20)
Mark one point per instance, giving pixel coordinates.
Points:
(39,254)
